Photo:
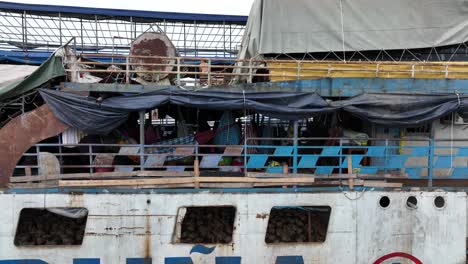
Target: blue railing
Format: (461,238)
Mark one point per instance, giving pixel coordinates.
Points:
(422,159)
(413,158)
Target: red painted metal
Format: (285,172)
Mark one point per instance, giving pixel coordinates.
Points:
(398,255)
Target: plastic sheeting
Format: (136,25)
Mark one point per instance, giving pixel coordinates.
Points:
(402,110)
(93,117)
(300,26)
(86,114)
(74,213)
(50,69)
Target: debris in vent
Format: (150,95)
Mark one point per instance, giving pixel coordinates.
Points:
(208,225)
(43,227)
(297,224)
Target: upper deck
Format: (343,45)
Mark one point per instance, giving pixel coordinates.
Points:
(299,119)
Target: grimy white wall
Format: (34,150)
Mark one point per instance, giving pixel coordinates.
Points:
(122,226)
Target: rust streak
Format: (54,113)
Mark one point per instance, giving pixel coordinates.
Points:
(25,130)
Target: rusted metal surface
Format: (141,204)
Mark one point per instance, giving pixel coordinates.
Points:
(153,44)
(21,133)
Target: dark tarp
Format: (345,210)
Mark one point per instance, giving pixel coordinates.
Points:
(401,110)
(92,117)
(50,69)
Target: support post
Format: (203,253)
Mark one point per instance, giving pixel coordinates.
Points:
(178,71)
(209,72)
(60,28)
(295,146)
(350,172)
(431,162)
(142,139)
(196,168)
(127,70)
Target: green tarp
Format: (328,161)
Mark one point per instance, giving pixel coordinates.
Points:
(50,69)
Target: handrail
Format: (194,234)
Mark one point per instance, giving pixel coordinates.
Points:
(223,70)
(378,158)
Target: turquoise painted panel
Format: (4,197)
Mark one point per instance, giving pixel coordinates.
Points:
(356,160)
(257,161)
(443,161)
(460,173)
(324,170)
(420,151)
(330,151)
(396,162)
(274,170)
(462,152)
(283,151)
(413,173)
(307,161)
(376,151)
(369,170)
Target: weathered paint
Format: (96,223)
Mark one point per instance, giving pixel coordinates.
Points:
(346,87)
(327,87)
(25,130)
(360,231)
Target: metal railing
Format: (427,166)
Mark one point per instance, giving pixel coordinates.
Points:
(217,71)
(416,159)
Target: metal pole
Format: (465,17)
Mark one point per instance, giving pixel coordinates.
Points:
(23,25)
(195,37)
(81,27)
(142,139)
(60,28)
(431,162)
(97,40)
(185,42)
(295,142)
(113,44)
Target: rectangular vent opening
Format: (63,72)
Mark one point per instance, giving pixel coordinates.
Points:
(209,225)
(51,226)
(297,224)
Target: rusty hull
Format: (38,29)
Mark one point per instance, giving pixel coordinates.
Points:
(23,132)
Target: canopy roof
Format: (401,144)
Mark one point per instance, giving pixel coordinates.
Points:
(309,26)
(89,13)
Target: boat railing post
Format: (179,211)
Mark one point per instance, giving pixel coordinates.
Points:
(340,153)
(209,72)
(431,162)
(250,72)
(142,140)
(295,146)
(386,156)
(90,153)
(178,71)
(245,155)
(127,69)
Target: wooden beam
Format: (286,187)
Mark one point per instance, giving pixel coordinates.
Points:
(98,175)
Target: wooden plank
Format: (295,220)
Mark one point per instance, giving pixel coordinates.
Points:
(27,171)
(156,181)
(350,172)
(103,175)
(226,185)
(278,175)
(196,171)
(126,182)
(383,184)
